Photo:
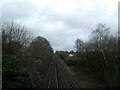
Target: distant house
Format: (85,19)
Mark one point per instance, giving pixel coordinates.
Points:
(71,55)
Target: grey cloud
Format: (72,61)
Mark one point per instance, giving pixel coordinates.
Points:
(74,20)
(64,28)
(17,10)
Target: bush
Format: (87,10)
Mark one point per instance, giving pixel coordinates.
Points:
(15,75)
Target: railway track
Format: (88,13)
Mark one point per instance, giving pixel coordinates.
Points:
(58,76)
(67,79)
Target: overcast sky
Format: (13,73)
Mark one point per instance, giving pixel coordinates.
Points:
(61,21)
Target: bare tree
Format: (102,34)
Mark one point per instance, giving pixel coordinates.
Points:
(100,36)
(79,45)
(14,38)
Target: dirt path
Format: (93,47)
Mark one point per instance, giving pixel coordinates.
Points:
(84,80)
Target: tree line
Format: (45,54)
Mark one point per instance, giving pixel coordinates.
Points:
(98,57)
(25,59)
